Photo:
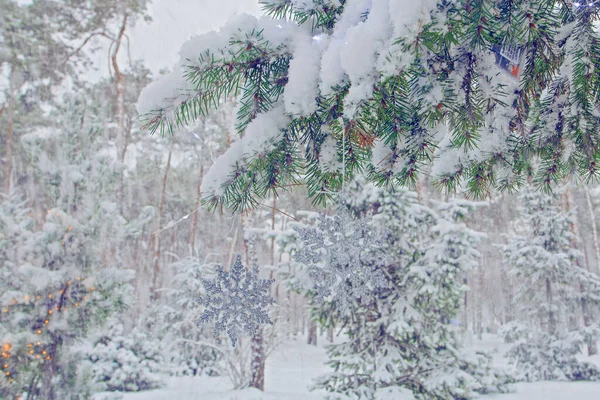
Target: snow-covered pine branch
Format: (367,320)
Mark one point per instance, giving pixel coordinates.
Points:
(486,91)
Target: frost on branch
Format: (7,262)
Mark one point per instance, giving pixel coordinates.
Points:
(236,301)
(343,256)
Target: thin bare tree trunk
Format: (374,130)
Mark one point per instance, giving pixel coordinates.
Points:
(508,296)
(591,345)
(594,228)
(478,325)
(465,321)
(9,138)
(551,321)
(120,89)
(156,239)
(196,212)
(303,319)
(120,107)
(330,334)
(312,331)
(480,301)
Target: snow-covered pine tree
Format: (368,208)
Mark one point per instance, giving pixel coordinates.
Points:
(405,340)
(64,275)
(548,296)
(493,85)
(51,297)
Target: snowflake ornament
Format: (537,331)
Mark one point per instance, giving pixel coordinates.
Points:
(344,259)
(236,301)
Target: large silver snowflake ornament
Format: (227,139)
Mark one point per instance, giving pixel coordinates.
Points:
(344,259)
(236,301)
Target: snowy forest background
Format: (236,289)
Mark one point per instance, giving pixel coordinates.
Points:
(104,244)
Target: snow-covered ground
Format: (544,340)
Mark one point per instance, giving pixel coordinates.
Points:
(292,367)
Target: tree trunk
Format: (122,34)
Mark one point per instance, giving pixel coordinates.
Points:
(312,331)
(551,321)
(302,329)
(465,321)
(120,107)
(594,228)
(196,212)
(156,237)
(507,294)
(257,364)
(257,376)
(9,138)
(48,370)
(480,301)
(330,334)
(591,345)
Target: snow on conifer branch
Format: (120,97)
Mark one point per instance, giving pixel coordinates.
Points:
(426,84)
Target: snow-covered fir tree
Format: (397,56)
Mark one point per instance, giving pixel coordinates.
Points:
(51,297)
(552,288)
(404,338)
(65,272)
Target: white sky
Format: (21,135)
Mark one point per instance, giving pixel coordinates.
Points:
(157,43)
(174,21)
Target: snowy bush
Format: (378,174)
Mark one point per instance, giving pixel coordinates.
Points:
(122,362)
(539,356)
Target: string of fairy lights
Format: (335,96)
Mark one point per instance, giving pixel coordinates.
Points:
(37,350)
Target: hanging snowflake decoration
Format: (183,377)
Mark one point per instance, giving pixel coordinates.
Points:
(236,301)
(344,259)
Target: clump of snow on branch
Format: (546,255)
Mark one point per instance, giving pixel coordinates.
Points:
(260,134)
(302,89)
(170,89)
(236,301)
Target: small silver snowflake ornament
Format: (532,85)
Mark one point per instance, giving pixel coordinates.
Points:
(344,259)
(236,301)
